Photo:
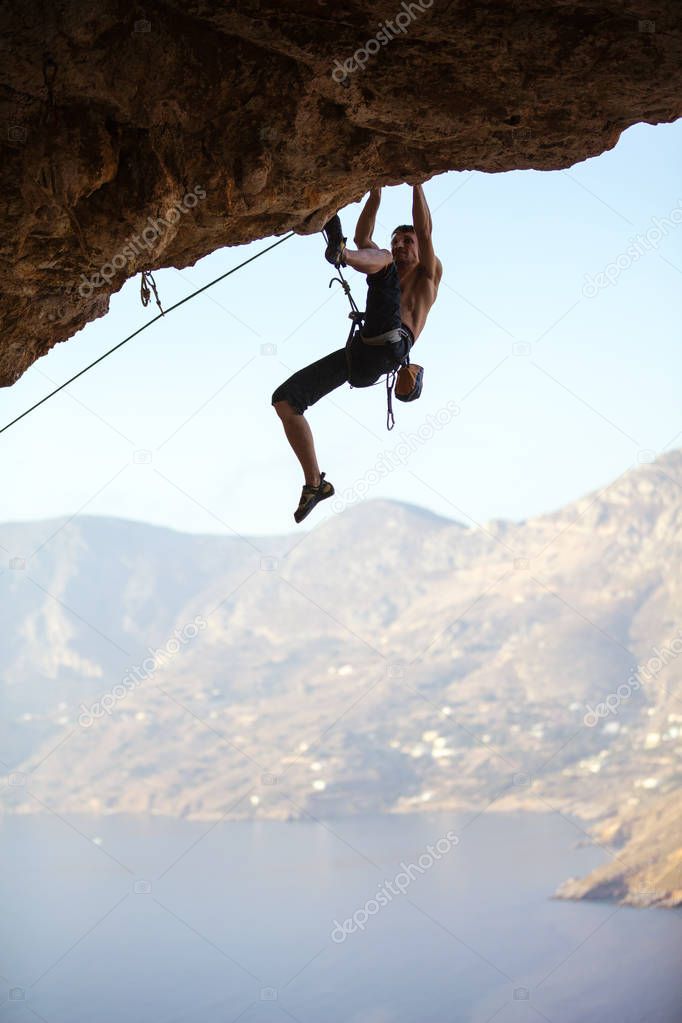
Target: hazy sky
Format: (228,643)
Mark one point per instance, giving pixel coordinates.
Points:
(559,379)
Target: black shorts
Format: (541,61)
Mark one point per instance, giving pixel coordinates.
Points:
(368,362)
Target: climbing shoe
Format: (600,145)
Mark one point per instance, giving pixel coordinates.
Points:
(310,496)
(336,243)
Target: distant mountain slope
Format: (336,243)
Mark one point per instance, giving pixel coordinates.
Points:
(389,660)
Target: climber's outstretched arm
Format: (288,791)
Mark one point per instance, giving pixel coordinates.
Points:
(421,218)
(366,221)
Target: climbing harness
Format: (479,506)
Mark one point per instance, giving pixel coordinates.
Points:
(144,327)
(406,378)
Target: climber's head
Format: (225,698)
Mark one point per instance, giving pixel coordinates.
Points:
(404,246)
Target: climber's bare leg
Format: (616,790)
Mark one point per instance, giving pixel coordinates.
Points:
(368,260)
(300,436)
(367,257)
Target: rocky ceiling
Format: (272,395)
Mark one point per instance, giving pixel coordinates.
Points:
(147,136)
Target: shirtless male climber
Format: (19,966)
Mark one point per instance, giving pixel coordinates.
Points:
(402,285)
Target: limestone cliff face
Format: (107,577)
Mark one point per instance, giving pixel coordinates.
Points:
(136,137)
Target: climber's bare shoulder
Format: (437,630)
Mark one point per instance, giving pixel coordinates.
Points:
(418,290)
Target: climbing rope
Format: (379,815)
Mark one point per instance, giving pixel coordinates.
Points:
(144,327)
(355,313)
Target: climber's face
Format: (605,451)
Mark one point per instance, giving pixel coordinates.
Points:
(405,249)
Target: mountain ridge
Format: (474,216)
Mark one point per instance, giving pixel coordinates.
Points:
(671,459)
(385,669)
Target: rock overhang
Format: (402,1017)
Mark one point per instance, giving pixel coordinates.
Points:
(146,137)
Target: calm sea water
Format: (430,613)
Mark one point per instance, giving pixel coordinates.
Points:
(162,921)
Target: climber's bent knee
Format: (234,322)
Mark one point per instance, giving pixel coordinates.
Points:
(284,408)
(311,383)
